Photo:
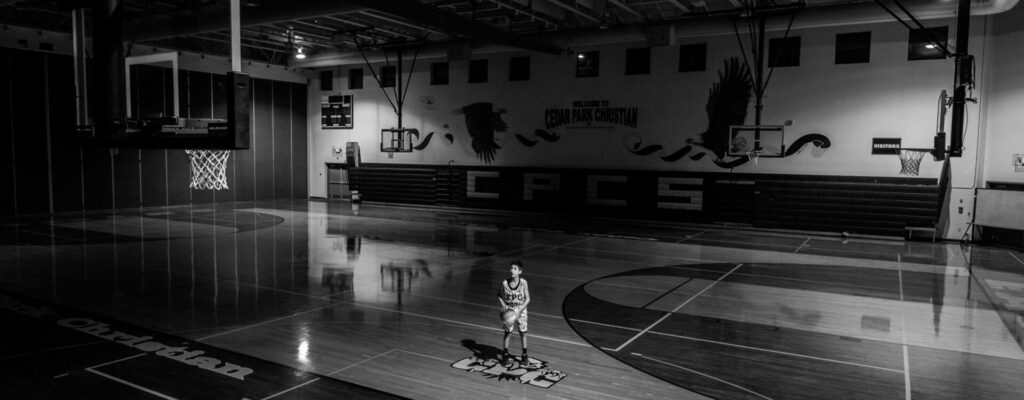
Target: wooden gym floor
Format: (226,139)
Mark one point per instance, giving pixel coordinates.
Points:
(311,300)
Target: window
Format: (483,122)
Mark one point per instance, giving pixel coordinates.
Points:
(326,80)
(355,78)
(927,44)
(784,52)
(519,68)
(588,64)
(477,71)
(439,73)
(853,48)
(387,76)
(693,57)
(638,61)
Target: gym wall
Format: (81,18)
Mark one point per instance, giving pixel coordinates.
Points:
(43,172)
(848,103)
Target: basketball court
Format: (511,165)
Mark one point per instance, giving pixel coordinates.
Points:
(192,209)
(311,299)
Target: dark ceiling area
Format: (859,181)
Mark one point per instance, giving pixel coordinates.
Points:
(273,31)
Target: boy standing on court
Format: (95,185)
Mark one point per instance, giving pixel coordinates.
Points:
(514,295)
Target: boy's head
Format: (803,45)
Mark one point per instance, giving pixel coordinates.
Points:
(516,268)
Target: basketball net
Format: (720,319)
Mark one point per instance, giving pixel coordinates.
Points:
(208,168)
(910,160)
(752,155)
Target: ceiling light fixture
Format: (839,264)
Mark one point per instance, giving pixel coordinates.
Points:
(299,54)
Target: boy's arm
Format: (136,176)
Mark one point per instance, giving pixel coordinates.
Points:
(501,300)
(526,291)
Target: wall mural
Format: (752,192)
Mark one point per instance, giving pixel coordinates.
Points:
(728,101)
(483,122)
(727,105)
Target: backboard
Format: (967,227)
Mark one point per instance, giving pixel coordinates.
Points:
(767,140)
(396,140)
(162,131)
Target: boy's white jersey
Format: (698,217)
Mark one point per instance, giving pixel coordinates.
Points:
(513,296)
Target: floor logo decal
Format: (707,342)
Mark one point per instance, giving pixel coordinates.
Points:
(535,373)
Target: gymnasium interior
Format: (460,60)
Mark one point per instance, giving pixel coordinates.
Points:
(710,199)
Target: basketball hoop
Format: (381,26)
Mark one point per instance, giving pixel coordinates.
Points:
(208,168)
(752,155)
(910,161)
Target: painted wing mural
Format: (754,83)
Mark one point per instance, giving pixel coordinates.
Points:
(727,105)
(482,121)
(728,100)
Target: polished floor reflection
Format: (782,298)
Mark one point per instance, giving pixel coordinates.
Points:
(320,300)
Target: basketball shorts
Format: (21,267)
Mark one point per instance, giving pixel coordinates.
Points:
(520,323)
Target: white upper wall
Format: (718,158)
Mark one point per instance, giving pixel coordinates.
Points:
(850,104)
(1004,124)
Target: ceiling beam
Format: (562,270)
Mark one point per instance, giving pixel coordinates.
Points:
(361,25)
(423,13)
(679,5)
(574,10)
(626,8)
(190,23)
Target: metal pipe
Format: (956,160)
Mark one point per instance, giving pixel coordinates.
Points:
(108,60)
(81,66)
(236,37)
(963,29)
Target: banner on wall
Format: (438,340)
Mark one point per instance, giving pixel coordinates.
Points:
(886,145)
(591,114)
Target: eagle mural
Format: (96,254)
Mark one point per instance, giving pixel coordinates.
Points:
(727,105)
(482,121)
(728,101)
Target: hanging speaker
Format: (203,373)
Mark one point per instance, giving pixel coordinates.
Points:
(664,35)
(239,98)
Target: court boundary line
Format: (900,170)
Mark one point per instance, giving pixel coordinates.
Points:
(292,388)
(779,352)
(131,385)
(261,323)
(667,293)
(481,305)
(424,355)
(564,278)
(360,362)
(463,323)
(341,302)
(691,236)
(1015,257)
(903,334)
(603,324)
(703,374)
(830,253)
(802,245)
(677,308)
(743,346)
(117,361)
